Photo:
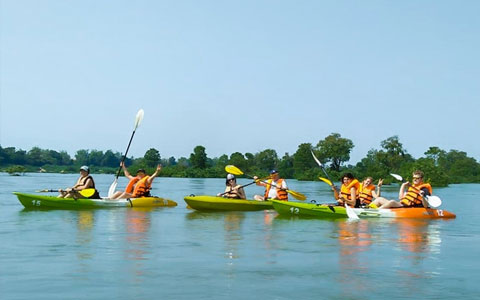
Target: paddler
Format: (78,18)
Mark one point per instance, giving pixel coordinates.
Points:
(410,195)
(232,189)
(275,187)
(85,181)
(348,191)
(368,192)
(139,185)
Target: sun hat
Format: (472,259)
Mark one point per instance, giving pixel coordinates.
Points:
(85,168)
(230,176)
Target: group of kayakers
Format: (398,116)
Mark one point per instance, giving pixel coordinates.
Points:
(352,192)
(138,186)
(365,194)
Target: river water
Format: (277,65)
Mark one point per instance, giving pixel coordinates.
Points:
(178,253)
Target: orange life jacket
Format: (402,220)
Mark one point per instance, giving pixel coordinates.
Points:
(142,188)
(131,184)
(413,198)
(281,194)
(365,193)
(347,194)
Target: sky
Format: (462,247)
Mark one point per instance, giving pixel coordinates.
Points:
(239,76)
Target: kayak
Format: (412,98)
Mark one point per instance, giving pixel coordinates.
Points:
(214,203)
(41,201)
(336,212)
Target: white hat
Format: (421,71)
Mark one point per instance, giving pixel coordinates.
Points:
(85,168)
(230,176)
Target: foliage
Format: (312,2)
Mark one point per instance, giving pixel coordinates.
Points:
(440,167)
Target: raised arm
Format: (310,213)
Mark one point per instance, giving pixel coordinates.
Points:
(158,170)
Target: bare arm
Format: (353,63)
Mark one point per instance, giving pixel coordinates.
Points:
(125,171)
(402,191)
(150,179)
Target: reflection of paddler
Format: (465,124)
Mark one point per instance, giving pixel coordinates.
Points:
(85,219)
(138,219)
(353,236)
(413,234)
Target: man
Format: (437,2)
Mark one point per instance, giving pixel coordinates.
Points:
(138,186)
(275,187)
(85,181)
(410,195)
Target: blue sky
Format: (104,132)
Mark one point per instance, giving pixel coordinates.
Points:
(239,75)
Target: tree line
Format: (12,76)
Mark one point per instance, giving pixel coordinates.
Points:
(440,167)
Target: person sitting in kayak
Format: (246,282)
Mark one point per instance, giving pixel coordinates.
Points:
(232,189)
(348,191)
(85,181)
(275,187)
(138,186)
(410,195)
(367,191)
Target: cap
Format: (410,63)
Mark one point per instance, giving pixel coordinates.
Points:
(230,176)
(141,170)
(273,171)
(85,168)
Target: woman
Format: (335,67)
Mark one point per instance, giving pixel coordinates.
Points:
(85,181)
(348,191)
(367,193)
(232,189)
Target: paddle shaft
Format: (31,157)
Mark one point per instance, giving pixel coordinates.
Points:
(242,186)
(125,156)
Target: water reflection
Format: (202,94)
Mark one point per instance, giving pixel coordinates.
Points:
(85,222)
(138,224)
(233,234)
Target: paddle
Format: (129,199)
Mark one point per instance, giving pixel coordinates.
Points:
(85,192)
(236,171)
(138,119)
(350,212)
(433,201)
(242,186)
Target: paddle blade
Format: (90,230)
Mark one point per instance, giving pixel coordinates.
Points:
(233,170)
(112,188)
(397,177)
(138,118)
(87,192)
(434,201)
(297,195)
(351,213)
(326,181)
(316,159)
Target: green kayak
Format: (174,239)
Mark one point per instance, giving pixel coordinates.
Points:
(32,201)
(309,210)
(212,203)
(332,211)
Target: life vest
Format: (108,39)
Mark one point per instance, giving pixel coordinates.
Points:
(95,195)
(413,198)
(365,193)
(142,188)
(131,184)
(231,193)
(347,194)
(281,194)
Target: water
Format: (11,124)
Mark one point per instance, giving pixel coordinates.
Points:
(177,253)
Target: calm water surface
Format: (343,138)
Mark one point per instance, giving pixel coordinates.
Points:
(177,253)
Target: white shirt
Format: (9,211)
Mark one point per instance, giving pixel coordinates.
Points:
(273,189)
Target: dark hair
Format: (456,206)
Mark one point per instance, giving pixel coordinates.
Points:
(348,175)
(226,181)
(141,170)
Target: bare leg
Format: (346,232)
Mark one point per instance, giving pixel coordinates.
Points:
(259,198)
(116,195)
(391,203)
(380,201)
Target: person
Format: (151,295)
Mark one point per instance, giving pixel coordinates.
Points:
(232,189)
(410,195)
(138,186)
(85,181)
(348,191)
(367,191)
(275,187)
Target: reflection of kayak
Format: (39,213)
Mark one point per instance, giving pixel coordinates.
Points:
(331,211)
(225,204)
(40,201)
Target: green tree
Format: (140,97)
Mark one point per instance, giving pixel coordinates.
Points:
(303,160)
(335,150)
(198,158)
(285,166)
(110,159)
(237,159)
(266,160)
(151,157)
(81,157)
(393,156)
